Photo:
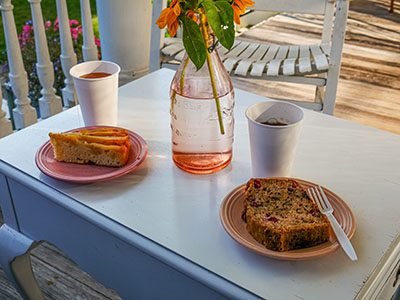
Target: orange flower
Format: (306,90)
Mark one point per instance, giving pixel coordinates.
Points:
(239,7)
(169,18)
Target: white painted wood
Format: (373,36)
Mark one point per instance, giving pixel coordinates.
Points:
(326,48)
(297,79)
(330,278)
(304,65)
(5,124)
(252,17)
(304,6)
(89,48)
(172,49)
(328,21)
(222,50)
(249,50)
(230,63)
(282,52)
(49,104)
(24,114)
(243,67)
(258,68)
(320,60)
(382,283)
(260,52)
(124,28)
(304,51)
(68,56)
(273,49)
(339,30)
(293,52)
(180,55)
(235,52)
(274,66)
(157,35)
(289,66)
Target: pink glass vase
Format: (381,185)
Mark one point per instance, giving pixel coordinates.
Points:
(198,146)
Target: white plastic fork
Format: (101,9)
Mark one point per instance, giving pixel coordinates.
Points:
(319,197)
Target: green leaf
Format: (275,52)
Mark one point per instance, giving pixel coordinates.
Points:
(191,4)
(194,42)
(220,16)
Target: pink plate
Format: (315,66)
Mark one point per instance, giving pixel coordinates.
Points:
(231,218)
(89,173)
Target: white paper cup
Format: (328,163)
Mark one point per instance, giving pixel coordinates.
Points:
(98,97)
(273,147)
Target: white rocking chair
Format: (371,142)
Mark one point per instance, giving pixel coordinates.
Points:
(317,64)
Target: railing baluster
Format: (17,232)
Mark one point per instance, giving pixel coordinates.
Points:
(89,48)
(24,114)
(68,56)
(49,103)
(5,124)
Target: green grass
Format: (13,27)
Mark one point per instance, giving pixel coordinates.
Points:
(22,14)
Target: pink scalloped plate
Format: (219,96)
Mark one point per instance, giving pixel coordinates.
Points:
(231,218)
(46,162)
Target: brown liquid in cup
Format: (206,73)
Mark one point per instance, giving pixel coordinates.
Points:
(95,75)
(273,122)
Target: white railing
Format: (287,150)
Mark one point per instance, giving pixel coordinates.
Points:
(125,39)
(49,104)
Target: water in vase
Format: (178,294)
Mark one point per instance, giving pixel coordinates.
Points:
(197,143)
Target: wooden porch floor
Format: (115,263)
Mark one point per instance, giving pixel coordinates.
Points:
(368,93)
(369,84)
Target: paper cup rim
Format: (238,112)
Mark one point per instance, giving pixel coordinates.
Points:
(274,126)
(94,62)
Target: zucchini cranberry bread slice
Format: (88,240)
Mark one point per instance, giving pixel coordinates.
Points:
(280,215)
(105,146)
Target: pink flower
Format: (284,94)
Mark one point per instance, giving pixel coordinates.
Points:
(74,33)
(26,29)
(73,22)
(47,25)
(56,26)
(97,42)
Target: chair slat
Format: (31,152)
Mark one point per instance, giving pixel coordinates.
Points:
(172,49)
(326,48)
(258,68)
(293,52)
(304,51)
(321,62)
(179,56)
(260,52)
(271,53)
(222,50)
(238,49)
(249,50)
(282,52)
(243,67)
(273,67)
(304,64)
(289,66)
(230,63)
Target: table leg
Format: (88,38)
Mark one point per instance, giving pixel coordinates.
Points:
(391,6)
(15,259)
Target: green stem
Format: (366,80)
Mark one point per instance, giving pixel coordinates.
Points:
(214,88)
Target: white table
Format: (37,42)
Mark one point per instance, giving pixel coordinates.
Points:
(155,233)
